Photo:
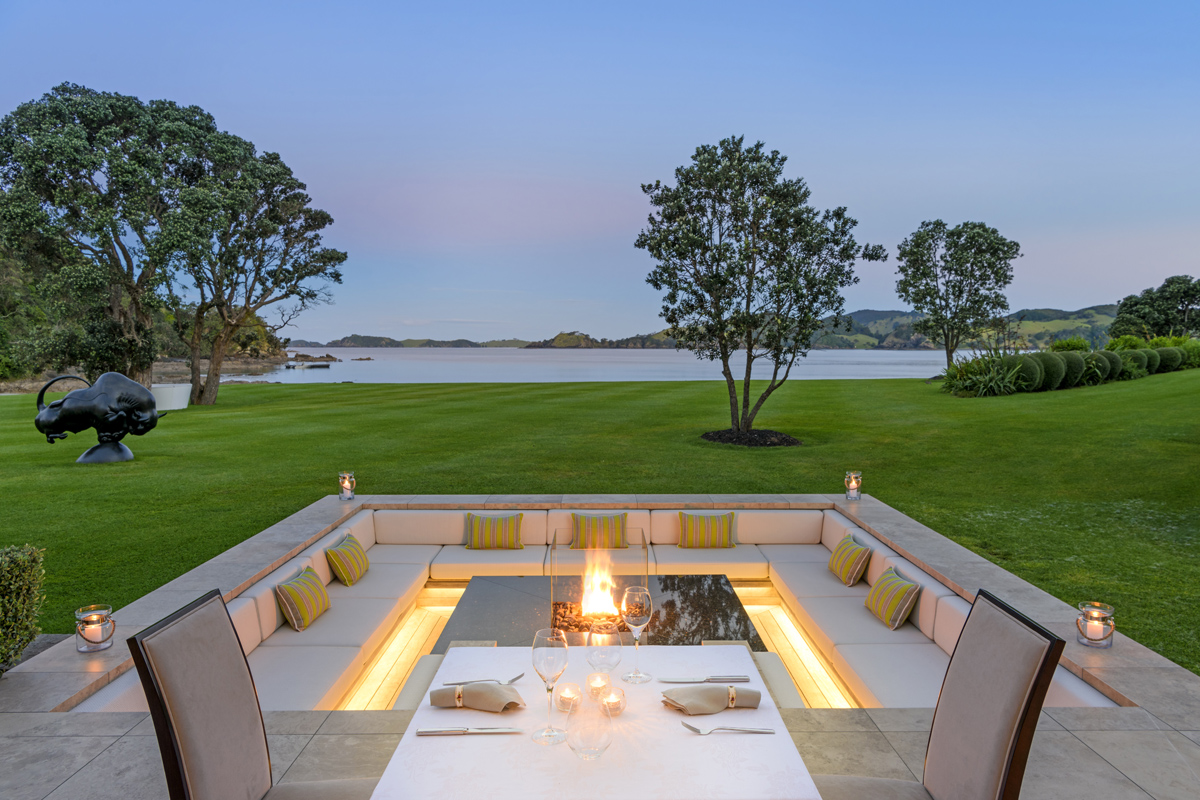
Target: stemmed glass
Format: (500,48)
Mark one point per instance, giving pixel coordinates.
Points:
(636,610)
(604,646)
(550,661)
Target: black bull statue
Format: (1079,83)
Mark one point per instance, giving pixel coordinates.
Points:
(114,405)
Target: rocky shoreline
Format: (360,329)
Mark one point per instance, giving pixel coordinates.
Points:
(166,370)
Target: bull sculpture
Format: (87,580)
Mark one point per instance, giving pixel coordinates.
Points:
(114,405)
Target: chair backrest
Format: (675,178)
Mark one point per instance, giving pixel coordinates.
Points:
(989,705)
(203,703)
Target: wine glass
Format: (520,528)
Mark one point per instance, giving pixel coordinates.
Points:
(636,609)
(550,661)
(604,646)
(589,730)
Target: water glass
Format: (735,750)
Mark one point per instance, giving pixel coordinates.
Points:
(589,730)
(604,646)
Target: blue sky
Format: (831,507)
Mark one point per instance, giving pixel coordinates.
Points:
(483,162)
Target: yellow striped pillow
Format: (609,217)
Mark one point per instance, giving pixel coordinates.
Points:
(348,560)
(892,598)
(849,560)
(302,599)
(603,532)
(494,533)
(706,530)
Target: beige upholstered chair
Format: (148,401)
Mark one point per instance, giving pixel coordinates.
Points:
(985,717)
(206,713)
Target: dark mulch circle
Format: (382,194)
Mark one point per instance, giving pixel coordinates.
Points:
(752,438)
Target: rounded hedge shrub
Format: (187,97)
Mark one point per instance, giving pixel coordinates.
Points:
(1054,369)
(1031,375)
(1152,360)
(1170,358)
(1102,365)
(1137,357)
(1074,363)
(1071,343)
(1114,364)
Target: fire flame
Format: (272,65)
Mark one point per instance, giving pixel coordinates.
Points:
(598,586)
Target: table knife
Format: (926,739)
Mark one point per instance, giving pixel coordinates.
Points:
(463,731)
(710,679)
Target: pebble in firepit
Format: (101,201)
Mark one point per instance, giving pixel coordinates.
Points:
(569,617)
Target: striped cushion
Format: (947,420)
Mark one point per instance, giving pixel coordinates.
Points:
(494,533)
(302,599)
(849,560)
(706,530)
(892,598)
(348,560)
(599,532)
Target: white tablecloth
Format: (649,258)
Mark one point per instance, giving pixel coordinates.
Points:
(652,756)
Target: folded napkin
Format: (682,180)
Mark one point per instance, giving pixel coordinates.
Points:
(710,698)
(480,696)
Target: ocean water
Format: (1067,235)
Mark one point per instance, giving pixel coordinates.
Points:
(516,365)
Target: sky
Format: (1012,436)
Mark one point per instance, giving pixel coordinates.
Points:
(483,162)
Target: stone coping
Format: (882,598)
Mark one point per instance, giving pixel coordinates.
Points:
(1128,673)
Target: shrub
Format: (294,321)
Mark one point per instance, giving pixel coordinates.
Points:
(1168,341)
(1095,369)
(1137,357)
(1074,362)
(1133,365)
(1170,358)
(21,599)
(1127,342)
(1054,369)
(1191,353)
(1152,360)
(1071,344)
(1114,364)
(980,377)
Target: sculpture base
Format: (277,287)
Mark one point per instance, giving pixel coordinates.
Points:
(106,453)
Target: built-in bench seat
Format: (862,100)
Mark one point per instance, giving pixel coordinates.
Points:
(315,669)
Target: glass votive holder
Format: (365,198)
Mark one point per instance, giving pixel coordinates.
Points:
(1095,625)
(346,485)
(567,696)
(853,485)
(613,700)
(597,684)
(94,628)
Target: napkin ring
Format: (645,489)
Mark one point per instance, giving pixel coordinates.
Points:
(458,696)
(732,697)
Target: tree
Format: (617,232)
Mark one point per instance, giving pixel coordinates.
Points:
(100,175)
(747,264)
(956,277)
(262,246)
(1172,309)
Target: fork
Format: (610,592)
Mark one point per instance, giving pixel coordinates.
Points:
(486,680)
(726,728)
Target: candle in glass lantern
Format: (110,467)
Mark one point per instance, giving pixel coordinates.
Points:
(346,485)
(597,684)
(1095,624)
(567,695)
(613,700)
(92,628)
(853,485)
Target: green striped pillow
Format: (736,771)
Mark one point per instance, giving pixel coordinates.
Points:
(706,530)
(494,533)
(892,598)
(849,560)
(605,532)
(302,599)
(348,560)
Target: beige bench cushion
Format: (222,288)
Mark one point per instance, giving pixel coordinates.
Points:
(456,562)
(749,527)
(416,685)
(624,562)
(361,622)
(784,553)
(949,620)
(263,594)
(924,613)
(244,613)
(404,554)
(362,525)
(315,553)
(303,678)
(794,580)
(559,522)
(831,621)
(743,562)
(383,581)
(834,527)
(420,527)
(892,675)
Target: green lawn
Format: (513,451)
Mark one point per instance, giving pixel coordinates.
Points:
(1090,493)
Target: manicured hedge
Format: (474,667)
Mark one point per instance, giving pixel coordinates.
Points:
(1074,363)
(1137,357)
(1152,360)
(1115,365)
(1101,364)
(1170,358)
(1054,369)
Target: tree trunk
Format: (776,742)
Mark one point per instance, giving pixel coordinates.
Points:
(212,383)
(732,386)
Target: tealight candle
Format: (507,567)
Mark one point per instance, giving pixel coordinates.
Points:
(567,696)
(614,700)
(597,684)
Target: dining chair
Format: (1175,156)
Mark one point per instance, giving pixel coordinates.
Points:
(985,717)
(206,714)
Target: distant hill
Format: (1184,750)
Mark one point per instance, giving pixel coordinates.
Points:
(357,340)
(575,339)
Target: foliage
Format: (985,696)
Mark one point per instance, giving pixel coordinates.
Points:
(1169,341)
(21,598)
(1133,365)
(1126,342)
(1171,309)
(1115,365)
(1170,358)
(1152,360)
(747,264)
(956,277)
(1071,343)
(1191,350)
(982,376)
(1075,366)
(1096,368)
(1054,369)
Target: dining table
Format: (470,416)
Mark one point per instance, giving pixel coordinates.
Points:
(652,754)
